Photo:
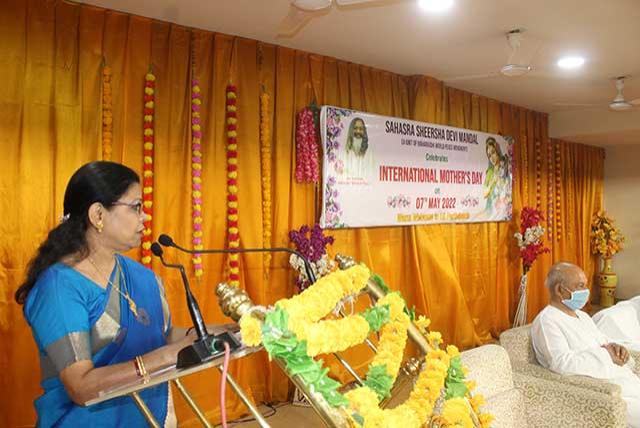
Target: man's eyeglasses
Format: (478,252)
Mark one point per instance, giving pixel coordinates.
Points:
(136,206)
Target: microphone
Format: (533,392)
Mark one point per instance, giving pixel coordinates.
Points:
(207,346)
(167,241)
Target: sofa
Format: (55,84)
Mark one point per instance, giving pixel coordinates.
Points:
(600,404)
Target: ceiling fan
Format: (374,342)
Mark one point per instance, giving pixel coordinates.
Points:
(301,12)
(511,68)
(619,103)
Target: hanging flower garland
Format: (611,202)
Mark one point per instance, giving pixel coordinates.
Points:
(307,164)
(233,232)
(525,169)
(147,167)
(107,114)
(558,187)
(538,175)
(291,332)
(196,176)
(551,201)
(265,164)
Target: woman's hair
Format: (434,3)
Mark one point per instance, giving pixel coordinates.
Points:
(491,142)
(103,182)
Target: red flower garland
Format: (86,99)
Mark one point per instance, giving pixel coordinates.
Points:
(147,167)
(307,165)
(233,231)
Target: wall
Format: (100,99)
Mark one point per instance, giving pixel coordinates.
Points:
(622,202)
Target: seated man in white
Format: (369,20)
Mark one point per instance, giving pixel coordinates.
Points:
(567,341)
(621,323)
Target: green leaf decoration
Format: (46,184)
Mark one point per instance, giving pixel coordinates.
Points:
(454,384)
(378,280)
(358,418)
(376,316)
(379,381)
(280,342)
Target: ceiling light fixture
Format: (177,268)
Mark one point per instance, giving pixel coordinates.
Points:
(435,5)
(570,62)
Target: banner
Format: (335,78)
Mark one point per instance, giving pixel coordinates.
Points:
(385,171)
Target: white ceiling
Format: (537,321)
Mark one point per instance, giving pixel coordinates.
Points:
(469,39)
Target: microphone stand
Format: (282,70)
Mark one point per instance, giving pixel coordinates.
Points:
(206,347)
(167,241)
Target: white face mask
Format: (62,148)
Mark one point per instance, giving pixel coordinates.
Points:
(578,299)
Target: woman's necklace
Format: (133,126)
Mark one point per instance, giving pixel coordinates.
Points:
(132,304)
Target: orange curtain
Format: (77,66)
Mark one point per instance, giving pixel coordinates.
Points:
(462,276)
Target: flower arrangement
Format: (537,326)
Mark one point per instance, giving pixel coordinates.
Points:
(293,332)
(265,167)
(606,238)
(107,114)
(233,231)
(307,164)
(196,176)
(529,238)
(312,244)
(147,168)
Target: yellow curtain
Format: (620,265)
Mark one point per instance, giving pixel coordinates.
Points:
(463,277)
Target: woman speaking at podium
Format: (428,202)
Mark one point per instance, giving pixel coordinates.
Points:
(99,319)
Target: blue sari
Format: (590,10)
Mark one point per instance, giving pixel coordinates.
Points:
(72,319)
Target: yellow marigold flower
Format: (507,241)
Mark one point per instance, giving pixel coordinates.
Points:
(232,134)
(250,330)
(231,108)
(147,173)
(453,351)
(232,147)
(434,338)
(148,132)
(422,323)
(149,104)
(234,257)
(476,401)
(485,419)
(457,413)
(344,333)
(146,245)
(471,385)
(150,77)
(146,260)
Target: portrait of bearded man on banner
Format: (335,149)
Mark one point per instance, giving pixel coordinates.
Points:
(357,158)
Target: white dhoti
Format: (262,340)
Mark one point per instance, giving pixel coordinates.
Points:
(573,346)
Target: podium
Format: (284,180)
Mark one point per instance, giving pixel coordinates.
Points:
(173,374)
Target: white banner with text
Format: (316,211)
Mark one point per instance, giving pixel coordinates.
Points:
(385,171)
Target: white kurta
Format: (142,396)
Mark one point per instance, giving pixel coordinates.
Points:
(621,323)
(568,345)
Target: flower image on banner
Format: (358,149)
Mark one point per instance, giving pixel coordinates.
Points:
(387,171)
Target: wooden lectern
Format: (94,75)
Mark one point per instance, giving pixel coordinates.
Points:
(173,374)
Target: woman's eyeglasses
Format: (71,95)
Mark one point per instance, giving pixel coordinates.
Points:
(136,206)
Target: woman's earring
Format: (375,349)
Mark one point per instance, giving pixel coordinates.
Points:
(99,227)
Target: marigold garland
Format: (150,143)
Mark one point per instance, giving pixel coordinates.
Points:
(265,166)
(233,231)
(107,114)
(196,176)
(147,167)
(292,333)
(538,175)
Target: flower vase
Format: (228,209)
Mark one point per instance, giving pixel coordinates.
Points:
(607,280)
(520,318)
